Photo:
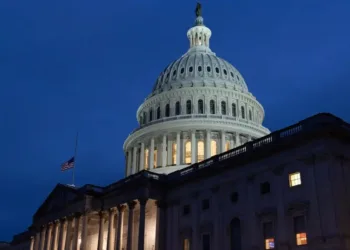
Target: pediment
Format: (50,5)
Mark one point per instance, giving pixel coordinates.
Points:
(59,198)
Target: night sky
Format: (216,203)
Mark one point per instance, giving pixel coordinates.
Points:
(88,65)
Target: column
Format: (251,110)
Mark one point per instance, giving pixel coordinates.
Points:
(68,234)
(134,152)
(31,243)
(84,231)
(142,221)
(131,206)
(207,144)
(100,231)
(61,238)
(151,154)
(160,227)
(193,146)
(76,231)
(119,228)
(128,164)
(178,149)
(42,238)
(48,237)
(238,140)
(111,216)
(55,233)
(142,157)
(164,151)
(37,241)
(223,141)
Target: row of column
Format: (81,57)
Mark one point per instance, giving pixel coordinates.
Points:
(57,235)
(171,148)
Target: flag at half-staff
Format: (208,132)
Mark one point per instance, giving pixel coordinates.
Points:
(68,164)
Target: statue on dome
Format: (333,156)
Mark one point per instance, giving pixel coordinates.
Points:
(198,9)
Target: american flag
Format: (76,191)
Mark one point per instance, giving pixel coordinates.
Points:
(68,164)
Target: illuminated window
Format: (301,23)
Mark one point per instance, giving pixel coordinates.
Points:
(294,179)
(268,233)
(200,154)
(155,155)
(188,152)
(301,239)
(146,158)
(200,107)
(213,148)
(188,107)
(212,107)
(300,230)
(227,146)
(186,244)
(223,108)
(174,153)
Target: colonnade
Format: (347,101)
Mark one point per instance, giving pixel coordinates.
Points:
(180,148)
(71,233)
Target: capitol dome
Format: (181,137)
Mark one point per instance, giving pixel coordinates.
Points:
(199,106)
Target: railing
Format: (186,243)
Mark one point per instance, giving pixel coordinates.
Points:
(310,124)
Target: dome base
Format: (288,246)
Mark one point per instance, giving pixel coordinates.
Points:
(168,169)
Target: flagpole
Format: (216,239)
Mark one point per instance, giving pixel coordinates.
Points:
(75,158)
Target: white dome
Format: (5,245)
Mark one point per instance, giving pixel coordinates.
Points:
(199,68)
(199,106)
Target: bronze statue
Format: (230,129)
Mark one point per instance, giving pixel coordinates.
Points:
(198,10)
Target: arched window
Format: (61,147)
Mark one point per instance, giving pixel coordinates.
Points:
(235,234)
(158,113)
(188,152)
(212,107)
(144,117)
(200,151)
(177,108)
(213,148)
(200,107)
(242,112)
(155,158)
(150,115)
(188,107)
(167,110)
(146,158)
(250,115)
(223,108)
(174,149)
(227,146)
(234,114)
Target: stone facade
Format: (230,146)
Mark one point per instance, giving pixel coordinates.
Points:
(287,190)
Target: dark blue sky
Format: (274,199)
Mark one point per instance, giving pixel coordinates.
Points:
(88,65)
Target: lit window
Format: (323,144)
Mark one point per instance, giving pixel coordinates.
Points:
(188,152)
(227,146)
(294,179)
(146,158)
(200,154)
(155,155)
(268,232)
(174,153)
(187,244)
(213,147)
(270,243)
(301,239)
(300,230)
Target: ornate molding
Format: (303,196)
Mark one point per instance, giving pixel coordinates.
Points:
(131,205)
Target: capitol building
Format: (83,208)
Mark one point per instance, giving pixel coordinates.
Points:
(203,173)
